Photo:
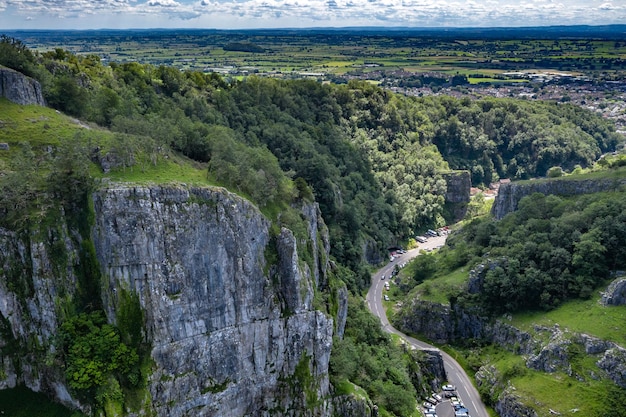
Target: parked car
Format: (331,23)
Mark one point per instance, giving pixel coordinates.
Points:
(437,397)
(386,297)
(449,387)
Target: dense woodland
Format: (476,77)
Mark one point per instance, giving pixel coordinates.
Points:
(551,250)
(373,160)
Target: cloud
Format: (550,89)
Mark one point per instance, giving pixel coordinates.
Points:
(302,13)
(606,6)
(163,3)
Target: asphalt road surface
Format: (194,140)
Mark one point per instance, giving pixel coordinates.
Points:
(456,375)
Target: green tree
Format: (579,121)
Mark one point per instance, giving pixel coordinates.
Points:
(15,55)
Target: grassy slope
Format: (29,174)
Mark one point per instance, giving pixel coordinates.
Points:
(43,127)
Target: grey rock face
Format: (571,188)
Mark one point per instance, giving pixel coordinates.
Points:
(510,194)
(443,324)
(32,285)
(230,335)
(458,184)
(509,405)
(225,336)
(614,363)
(342,311)
(593,345)
(350,405)
(553,356)
(506,402)
(19,88)
(615,295)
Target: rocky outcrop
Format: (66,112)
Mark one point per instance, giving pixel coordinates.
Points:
(457,197)
(342,311)
(430,375)
(443,324)
(352,405)
(33,285)
(509,405)
(553,356)
(19,88)
(458,184)
(615,294)
(196,259)
(510,194)
(614,363)
(230,334)
(500,394)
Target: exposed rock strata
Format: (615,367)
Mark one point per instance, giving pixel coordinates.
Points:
(504,399)
(230,335)
(615,295)
(19,88)
(458,184)
(510,194)
(196,259)
(443,324)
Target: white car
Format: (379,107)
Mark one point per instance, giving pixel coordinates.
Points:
(449,388)
(437,397)
(386,297)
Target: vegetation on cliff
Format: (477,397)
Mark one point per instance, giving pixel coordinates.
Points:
(374,161)
(550,250)
(540,269)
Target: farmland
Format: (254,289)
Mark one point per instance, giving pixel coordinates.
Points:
(331,54)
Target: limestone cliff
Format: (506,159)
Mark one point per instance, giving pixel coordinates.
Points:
(458,184)
(443,324)
(510,194)
(229,333)
(19,88)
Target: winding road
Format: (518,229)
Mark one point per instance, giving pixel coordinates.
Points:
(456,375)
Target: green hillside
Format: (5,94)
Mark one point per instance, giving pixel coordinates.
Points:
(544,267)
(373,160)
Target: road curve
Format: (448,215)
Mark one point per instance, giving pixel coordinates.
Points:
(456,375)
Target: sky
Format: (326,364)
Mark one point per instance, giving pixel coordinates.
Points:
(237,14)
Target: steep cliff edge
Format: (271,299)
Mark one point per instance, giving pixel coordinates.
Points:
(19,88)
(196,259)
(510,194)
(230,333)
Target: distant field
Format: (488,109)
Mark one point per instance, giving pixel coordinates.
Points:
(338,53)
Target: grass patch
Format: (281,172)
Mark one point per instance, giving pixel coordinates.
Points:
(345,387)
(175,169)
(437,290)
(580,316)
(561,393)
